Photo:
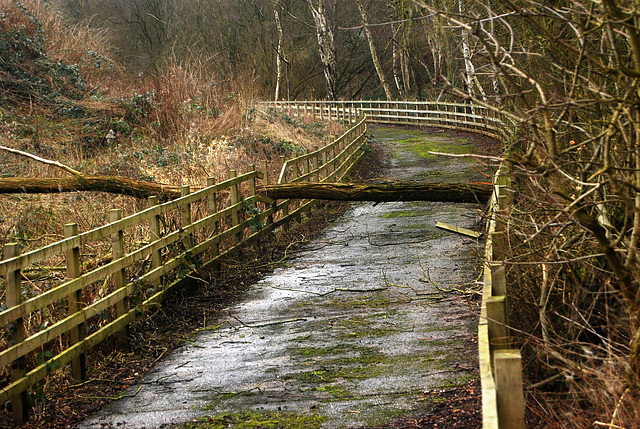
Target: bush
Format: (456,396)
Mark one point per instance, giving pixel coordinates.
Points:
(27,73)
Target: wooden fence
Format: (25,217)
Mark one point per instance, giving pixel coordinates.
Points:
(500,365)
(190,233)
(457,116)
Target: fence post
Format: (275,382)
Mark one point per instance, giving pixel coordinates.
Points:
(285,207)
(235,199)
(212,204)
(154,224)
(13,298)
(185,214)
(252,193)
(119,277)
(324,165)
(265,180)
(74,303)
(508,376)
(497,322)
(498,278)
(315,165)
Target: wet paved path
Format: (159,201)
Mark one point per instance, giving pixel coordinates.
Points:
(352,332)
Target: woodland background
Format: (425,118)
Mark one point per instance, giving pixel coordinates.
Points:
(176,80)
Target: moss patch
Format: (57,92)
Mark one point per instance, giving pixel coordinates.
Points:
(250,420)
(422,145)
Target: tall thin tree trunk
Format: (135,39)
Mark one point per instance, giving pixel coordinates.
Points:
(396,73)
(466,55)
(279,49)
(374,54)
(326,45)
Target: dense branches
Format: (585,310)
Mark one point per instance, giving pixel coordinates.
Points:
(567,75)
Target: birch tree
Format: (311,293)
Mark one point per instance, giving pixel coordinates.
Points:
(374,53)
(279,47)
(326,44)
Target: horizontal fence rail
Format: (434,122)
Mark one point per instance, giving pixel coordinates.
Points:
(178,237)
(456,116)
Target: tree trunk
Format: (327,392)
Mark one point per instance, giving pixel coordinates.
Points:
(279,49)
(111,184)
(374,54)
(326,45)
(394,191)
(394,55)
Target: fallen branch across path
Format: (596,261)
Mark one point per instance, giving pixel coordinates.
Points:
(112,184)
(387,192)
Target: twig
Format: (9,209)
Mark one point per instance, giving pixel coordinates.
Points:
(42,160)
(261,325)
(468,155)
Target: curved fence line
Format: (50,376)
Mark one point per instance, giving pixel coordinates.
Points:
(456,116)
(180,237)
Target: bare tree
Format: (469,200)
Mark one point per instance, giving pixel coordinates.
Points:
(568,75)
(326,44)
(374,53)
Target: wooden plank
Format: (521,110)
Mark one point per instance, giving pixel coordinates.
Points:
(74,303)
(154,225)
(20,401)
(55,330)
(71,286)
(59,361)
(458,229)
(510,396)
(497,322)
(120,276)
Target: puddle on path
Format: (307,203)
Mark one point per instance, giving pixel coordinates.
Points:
(351,333)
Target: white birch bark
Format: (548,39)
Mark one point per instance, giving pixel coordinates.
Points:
(326,45)
(374,54)
(279,48)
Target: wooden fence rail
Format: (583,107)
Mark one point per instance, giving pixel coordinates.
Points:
(190,233)
(457,116)
(500,365)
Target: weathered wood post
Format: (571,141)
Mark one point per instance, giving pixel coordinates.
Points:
(265,180)
(306,164)
(498,278)
(235,199)
(507,366)
(315,165)
(74,303)
(324,165)
(20,402)
(156,255)
(252,192)
(285,207)
(212,207)
(120,276)
(185,215)
(497,322)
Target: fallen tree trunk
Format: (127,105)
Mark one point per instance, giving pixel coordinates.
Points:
(395,191)
(112,184)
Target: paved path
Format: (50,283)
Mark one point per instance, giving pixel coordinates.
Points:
(351,333)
